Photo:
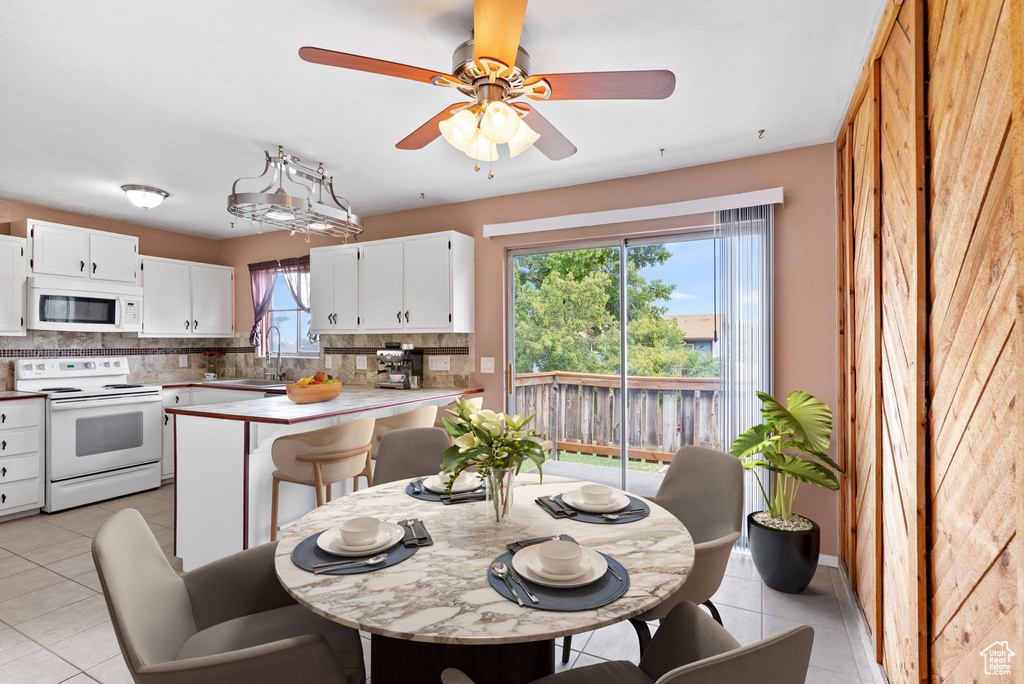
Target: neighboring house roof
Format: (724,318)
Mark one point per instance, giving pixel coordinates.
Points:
(699,327)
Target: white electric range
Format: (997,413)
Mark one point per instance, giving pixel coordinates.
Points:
(102,432)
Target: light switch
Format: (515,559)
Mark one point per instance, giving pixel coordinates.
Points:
(486,364)
(360,363)
(327,361)
(439,363)
(182,361)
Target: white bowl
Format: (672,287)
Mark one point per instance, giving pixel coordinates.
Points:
(596,494)
(462,480)
(359,531)
(560,557)
(210,376)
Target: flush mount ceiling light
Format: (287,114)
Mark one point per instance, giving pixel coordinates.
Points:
(143,196)
(296,198)
(493,70)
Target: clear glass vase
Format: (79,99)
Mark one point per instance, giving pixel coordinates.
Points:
(500,483)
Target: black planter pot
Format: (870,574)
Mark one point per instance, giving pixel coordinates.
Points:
(785,560)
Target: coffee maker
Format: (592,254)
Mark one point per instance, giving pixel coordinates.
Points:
(402,368)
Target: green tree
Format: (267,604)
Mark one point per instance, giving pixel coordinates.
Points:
(567,314)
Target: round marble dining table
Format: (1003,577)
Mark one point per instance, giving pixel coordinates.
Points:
(441,595)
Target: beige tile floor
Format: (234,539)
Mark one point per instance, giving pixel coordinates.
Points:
(54,625)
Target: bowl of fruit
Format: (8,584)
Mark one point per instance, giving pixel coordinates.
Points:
(317,387)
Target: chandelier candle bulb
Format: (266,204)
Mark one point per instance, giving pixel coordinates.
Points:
(499,123)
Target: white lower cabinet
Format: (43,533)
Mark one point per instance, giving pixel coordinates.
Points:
(21,455)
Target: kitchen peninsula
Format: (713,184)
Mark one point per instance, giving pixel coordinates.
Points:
(223,466)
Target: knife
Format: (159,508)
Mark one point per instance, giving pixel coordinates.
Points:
(515,575)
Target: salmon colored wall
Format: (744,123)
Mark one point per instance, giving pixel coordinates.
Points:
(152,241)
(805,258)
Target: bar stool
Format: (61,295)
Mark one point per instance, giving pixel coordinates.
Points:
(319,458)
(416,418)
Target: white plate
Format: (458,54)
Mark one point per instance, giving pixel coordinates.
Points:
(434,484)
(330,541)
(575,499)
(527,564)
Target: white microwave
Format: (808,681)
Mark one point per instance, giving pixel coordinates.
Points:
(66,304)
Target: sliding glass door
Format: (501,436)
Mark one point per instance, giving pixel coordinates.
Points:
(617,396)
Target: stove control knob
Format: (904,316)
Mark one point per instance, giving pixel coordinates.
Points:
(106,364)
(117,364)
(90,364)
(40,366)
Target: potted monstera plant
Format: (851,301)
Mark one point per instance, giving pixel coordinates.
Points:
(783,545)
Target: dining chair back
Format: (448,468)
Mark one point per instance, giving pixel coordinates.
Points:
(421,417)
(414,452)
(227,621)
(691,648)
(319,458)
(476,403)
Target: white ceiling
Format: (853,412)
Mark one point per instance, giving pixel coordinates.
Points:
(185,95)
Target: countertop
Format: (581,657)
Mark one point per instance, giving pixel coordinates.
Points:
(282,410)
(214,384)
(11,395)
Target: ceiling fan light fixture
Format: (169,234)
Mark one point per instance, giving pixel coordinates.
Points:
(500,122)
(523,139)
(459,129)
(481,149)
(144,196)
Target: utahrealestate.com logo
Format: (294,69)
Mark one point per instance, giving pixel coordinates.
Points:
(997,659)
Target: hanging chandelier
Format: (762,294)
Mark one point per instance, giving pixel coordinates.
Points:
(296,198)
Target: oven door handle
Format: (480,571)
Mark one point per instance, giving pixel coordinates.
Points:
(70,404)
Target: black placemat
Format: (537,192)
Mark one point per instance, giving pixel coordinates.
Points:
(307,553)
(428,495)
(583,516)
(593,595)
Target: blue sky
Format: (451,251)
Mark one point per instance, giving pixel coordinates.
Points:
(691,270)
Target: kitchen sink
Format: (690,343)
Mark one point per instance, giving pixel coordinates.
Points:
(251,383)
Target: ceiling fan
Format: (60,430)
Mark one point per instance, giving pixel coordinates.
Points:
(494,70)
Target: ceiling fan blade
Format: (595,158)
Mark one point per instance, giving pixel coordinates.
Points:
(552,143)
(425,134)
(606,85)
(497,25)
(374,66)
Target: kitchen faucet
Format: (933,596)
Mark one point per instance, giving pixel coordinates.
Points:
(279,375)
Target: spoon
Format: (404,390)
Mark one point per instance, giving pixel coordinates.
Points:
(501,571)
(616,516)
(373,560)
(501,567)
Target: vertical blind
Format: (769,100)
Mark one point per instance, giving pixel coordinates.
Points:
(745,265)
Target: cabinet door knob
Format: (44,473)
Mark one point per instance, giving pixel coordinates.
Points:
(94,267)
(195,324)
(399,316)
(81,266)
(186,325)
(406,316)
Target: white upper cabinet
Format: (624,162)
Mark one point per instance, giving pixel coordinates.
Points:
(72,252)
(12,285)
(428,283)
(381,306)
(186,299)
(422,283)
(113,257)
(167,301)
(334,289)
(212,300)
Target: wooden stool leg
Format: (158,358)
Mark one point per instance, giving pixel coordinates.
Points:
(329,495)
(319,485)
(273,511)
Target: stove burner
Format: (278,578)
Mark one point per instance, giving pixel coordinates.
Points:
(60,389)
(120,386)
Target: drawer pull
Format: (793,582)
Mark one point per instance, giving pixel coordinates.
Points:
(3,445)
(3,473)
(3,417)
(165,419)
(3,498)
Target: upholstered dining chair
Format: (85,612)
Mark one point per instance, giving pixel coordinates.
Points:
(319,458)
(691,648)
(704,489)
(414,452)
(228,621)
(422,417)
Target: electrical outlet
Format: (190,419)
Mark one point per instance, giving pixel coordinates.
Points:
(182,361)
(327,361)
(486,364)
(360,363)
(439,363)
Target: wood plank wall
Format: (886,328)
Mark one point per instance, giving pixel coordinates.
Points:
(930,298)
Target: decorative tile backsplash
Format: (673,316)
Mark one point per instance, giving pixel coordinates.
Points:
(155,360)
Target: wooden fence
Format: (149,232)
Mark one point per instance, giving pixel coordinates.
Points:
(581,412)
